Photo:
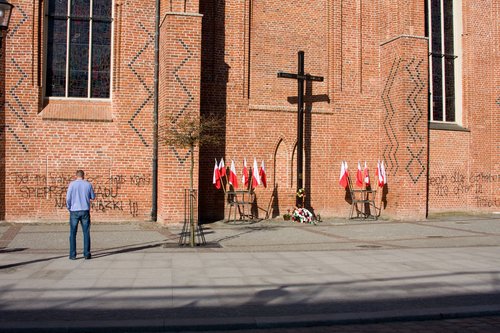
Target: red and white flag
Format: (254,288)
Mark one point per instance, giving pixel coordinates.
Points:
(255,174)
(244,179)
(379,174)
(233,179)
(382,170)
(222,168)
(366,175)
(262,174)
(344,175)
(359,176)
(216,179)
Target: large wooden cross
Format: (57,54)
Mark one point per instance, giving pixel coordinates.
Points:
(301,77)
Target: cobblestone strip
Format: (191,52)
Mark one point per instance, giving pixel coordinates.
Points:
(370,243)
(437,226)
(162,231)
(9,235)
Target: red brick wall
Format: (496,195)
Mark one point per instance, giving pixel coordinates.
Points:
(341,43)
(404,145)
(2,123)
(41,155)
(179,6)
(465,166)
(372,105)
(180,97)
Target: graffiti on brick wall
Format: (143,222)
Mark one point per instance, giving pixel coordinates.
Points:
(459,184)
(110,195)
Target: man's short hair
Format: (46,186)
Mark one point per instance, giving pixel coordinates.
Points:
(80,173)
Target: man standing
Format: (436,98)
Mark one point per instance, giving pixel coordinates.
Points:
(80,192)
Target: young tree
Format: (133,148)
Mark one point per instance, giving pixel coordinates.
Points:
(188,133)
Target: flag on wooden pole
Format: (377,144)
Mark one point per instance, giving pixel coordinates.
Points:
(379,174)
(233,179)
(382,169)
(366,175)
(244,178)
(359,176)
(262,174)
(255,174)
(344,175)
(216,178)
(222,168)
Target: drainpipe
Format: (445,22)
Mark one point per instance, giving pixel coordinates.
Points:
(154,189)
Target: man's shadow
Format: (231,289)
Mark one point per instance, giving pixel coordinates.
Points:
(95,254)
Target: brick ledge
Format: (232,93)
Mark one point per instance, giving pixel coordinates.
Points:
(278,108)
(447,127)
(77,110)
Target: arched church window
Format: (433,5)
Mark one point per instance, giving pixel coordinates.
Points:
(79,46)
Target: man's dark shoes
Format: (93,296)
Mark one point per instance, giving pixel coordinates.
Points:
(72,258)
(88,257)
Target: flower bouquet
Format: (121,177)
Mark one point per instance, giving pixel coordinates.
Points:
(302,215)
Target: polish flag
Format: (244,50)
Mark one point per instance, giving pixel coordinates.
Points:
(222,168)
(262,174)
(255,174)
(233,179)
(344,175)
(380,177)
(359,176)
(382,170)
(216,179)
(244,179)
(366,175)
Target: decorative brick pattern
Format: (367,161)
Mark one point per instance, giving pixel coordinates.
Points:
(415,166)
(392,148)
(413,68)
(13,92)
(189,98)
(148,89)
(17,138)
(18,103)
(415,162)
(17,25)
(178,78)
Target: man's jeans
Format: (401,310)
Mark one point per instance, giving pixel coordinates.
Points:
(82,216)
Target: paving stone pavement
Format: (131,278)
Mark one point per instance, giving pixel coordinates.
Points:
(268,276)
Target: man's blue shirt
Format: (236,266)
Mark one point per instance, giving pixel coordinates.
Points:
(80,192)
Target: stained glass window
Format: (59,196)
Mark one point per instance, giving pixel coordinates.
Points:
(79,48)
